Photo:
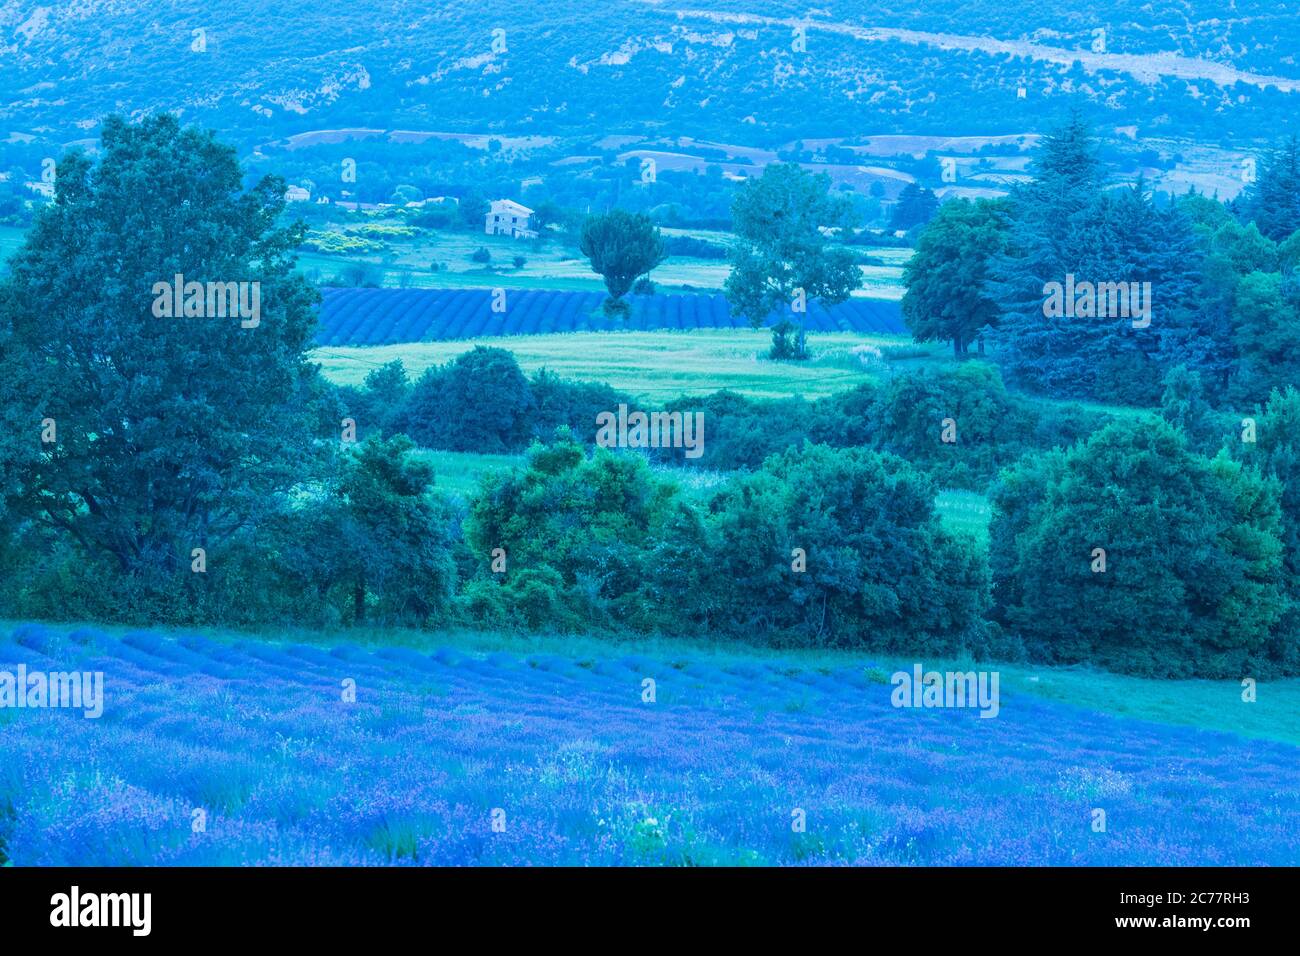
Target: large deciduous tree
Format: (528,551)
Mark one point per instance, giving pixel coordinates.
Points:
(379,539)
(143,436)
(947,298)
(782,259)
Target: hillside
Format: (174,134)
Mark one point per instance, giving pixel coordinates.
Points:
(735,72)
(578,766)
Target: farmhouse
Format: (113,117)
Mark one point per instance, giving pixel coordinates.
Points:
(508,218)
(296,194)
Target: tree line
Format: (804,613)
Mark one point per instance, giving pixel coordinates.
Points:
(1224,293)
(195,470)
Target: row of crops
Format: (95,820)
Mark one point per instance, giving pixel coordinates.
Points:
(385,316)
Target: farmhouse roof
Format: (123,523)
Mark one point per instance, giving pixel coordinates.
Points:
(509,205)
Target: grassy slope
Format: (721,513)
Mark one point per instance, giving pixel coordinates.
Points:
(651,366)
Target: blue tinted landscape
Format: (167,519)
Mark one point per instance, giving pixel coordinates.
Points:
(257,737)
(570,434)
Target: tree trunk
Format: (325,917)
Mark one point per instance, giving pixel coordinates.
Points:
(359,601)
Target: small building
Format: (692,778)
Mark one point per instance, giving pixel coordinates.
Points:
(296,194)
(508,218)
(41,188)
(433,201)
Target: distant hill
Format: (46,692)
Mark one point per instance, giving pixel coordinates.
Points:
(388,316)
(760,72)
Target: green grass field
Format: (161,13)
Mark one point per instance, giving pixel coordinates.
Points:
(651,366)
(459,472)
(966,511)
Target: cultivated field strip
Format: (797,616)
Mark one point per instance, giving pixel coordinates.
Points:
(258,737)
(389,316)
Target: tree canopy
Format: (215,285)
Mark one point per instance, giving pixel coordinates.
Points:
(947,278)
(781,258)
(141,433)
(1133,520)
(622,247)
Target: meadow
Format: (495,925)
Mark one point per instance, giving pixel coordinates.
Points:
(459,472)
(658,365)
(217,749)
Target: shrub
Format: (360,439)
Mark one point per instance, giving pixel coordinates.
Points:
(912,411)
(616,308)
(1192,551)
(360,275)
(334,243)
(478,402)
(905,416)
(881,571)
(376,407)
(559,403)
(742,433)
(588,519)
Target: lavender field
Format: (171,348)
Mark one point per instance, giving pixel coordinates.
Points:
(388,316)
(243,752)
